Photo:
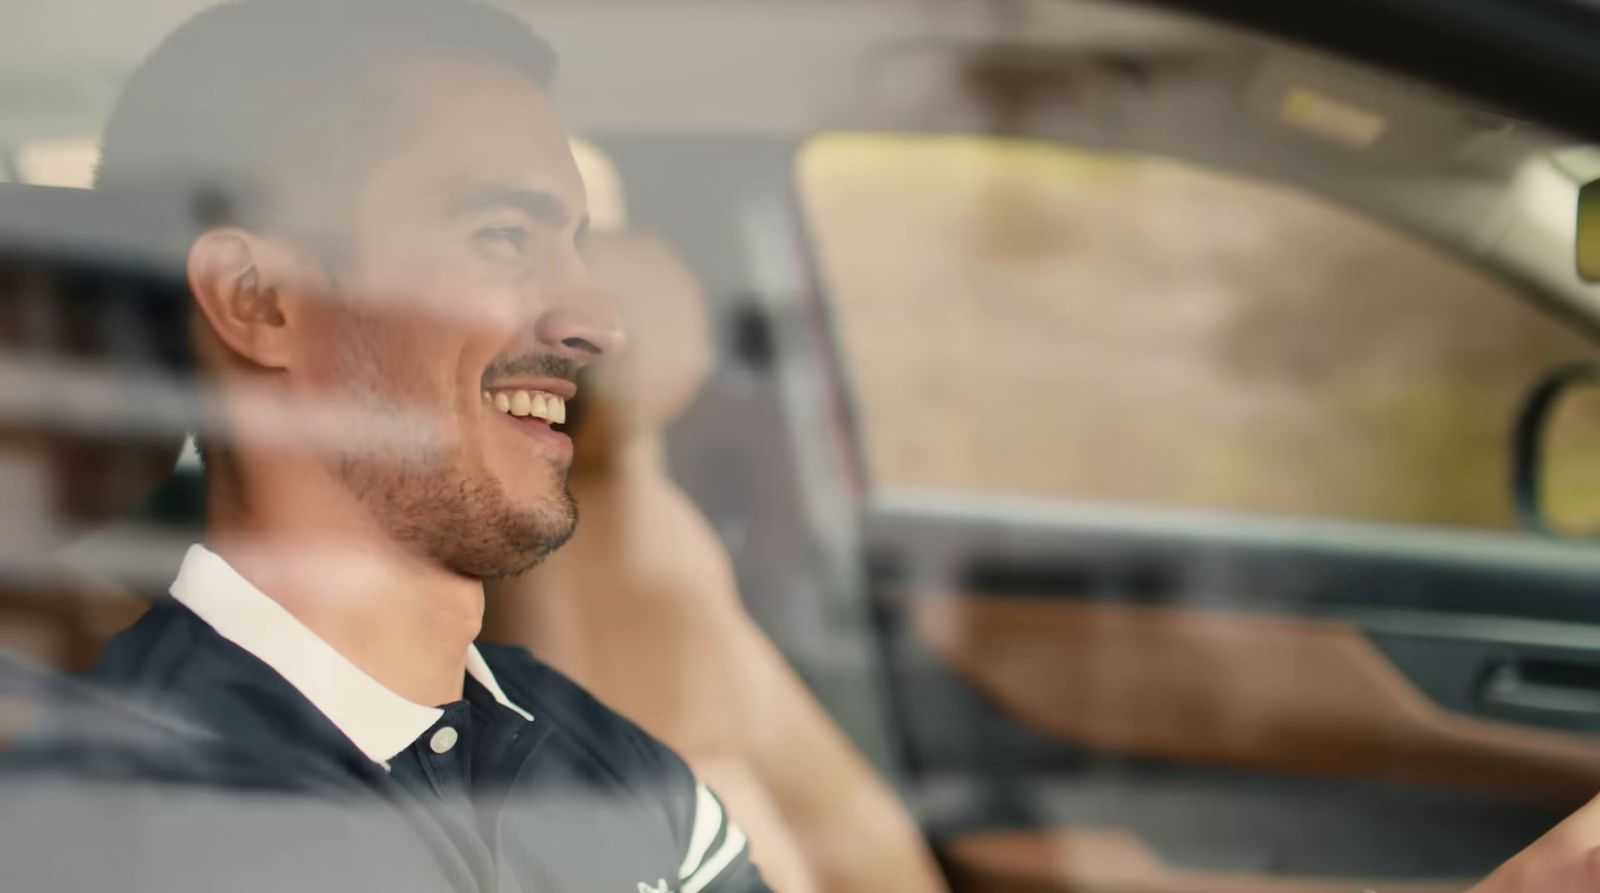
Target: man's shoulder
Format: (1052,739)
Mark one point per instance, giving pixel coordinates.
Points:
(570,708)
(173,660)
(170,701)
(591,732)
(716,854)
(155,651)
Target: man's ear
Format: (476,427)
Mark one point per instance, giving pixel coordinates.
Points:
(247,286)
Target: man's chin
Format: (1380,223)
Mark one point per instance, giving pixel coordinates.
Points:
(540,531)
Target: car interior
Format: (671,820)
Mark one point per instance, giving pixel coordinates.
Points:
(1124,419)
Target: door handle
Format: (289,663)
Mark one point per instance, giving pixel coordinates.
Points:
(1514,687)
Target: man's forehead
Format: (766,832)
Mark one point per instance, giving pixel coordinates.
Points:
(462,125)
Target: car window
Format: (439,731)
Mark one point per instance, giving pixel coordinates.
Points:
(1027,319)
(911,446)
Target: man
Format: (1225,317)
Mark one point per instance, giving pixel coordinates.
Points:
(390,308)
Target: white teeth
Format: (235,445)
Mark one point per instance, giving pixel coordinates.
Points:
(537,404)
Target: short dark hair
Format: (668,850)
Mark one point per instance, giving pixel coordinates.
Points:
(205,132)
(202,123)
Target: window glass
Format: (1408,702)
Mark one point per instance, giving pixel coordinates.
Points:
(1030,319)
(1185,492)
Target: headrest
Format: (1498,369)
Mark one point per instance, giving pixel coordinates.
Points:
(86,227)
(641,388)
(87,274)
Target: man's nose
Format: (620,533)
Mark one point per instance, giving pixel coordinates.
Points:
(580,318)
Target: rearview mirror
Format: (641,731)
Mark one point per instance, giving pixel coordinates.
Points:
(1556,454)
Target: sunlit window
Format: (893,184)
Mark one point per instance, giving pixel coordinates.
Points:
(58,162)
(608,211)
(1033,320)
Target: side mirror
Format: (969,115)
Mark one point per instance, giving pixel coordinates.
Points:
(1587,235)
(1556,454)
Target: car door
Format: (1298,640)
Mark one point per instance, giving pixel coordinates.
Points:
(1184,402)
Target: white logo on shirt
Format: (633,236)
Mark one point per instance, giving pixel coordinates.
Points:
(660,887)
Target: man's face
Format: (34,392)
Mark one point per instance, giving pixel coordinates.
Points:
(462,292)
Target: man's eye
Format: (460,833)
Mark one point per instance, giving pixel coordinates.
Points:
(504,240)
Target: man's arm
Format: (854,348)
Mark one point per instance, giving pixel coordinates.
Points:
(716,857)
(850,824)
(773,846)
(641,606)
(852,829)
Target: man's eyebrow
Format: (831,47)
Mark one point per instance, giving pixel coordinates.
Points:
(541,206)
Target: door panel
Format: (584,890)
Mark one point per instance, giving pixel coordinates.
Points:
(1114,861)
(1236,698)
(1280,694)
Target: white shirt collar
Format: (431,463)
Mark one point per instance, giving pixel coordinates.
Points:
(378,721)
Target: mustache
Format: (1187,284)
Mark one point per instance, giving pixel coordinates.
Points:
(544,365)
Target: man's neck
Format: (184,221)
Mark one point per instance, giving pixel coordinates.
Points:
(315,551)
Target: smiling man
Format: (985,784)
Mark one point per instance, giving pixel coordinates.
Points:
(382,236)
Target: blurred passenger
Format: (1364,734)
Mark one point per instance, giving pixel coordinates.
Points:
(642,608)
(390,310)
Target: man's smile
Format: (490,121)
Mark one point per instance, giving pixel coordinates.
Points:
(523,403)
(534,412)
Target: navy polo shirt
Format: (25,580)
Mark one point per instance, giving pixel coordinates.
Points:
(527,783)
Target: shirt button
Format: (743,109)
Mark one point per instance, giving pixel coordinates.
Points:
(443,740)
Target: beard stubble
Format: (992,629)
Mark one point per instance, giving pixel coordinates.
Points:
(432,496)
